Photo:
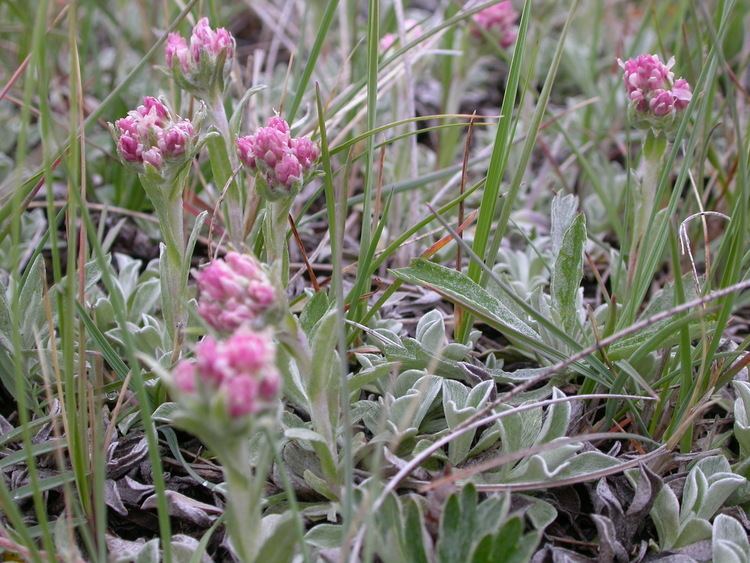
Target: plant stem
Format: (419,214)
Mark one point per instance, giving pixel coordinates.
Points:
(223,162)
(173,281)
(275,231)
(654,149)
(244,495)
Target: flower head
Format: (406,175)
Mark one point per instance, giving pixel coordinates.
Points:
(279,160)
(655,96)
(498,20)
(239,374)
(200,65)
(151,138)
(235,291)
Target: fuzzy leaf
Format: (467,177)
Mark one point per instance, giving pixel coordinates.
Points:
(568,272)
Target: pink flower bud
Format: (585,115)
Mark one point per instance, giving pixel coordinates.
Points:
(153,157)
(126,125)
(270,385)
(682,93)
(206,40)
(234,291)
(184,377)
(278,123)
(288,171)
(305,151)
(498,20)
(210,363)
(270,145)
(242,391)
(245,151)
(173,141)
(153,106)
(662,103)
(178,48)
(129,148)
(223,41)
(247,350)
(240,371)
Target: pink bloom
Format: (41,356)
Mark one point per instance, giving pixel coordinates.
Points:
(499,20)
(279,123)
(662,103)
(173,141)
(126,125)
(129,148)
(682,93)
(206,40)
(245,150)
(152,134)
(153,106)
(651,86)
(178,48)
(153,157)
(184,377)
(248,350)
(305,151)
(288,170)
(270,385)
(210,363)
(281,159)
(241,371)
(242,391)
(234,291)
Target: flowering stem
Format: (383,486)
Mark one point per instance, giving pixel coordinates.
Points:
(654,148)
(167,201)
(244,495)
(223,161)
(275,231)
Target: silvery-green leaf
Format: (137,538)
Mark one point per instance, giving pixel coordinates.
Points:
(457,525)
(568,273)
(729,540)
(149,553)
(430,331)
(409,410)
(693,531)
(315,308)
(556,420)
(720,489)
(325,536)
(665,514)
(563,211)
(278,538)
(459,288)
(144,299)
(324,381)
(742,417)
(128,270)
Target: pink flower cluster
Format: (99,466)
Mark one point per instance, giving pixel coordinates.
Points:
(150,135)
(413,30)
(234,291)
(194,63)
(651,86)
(499,20)
(240,370)
(282,159)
